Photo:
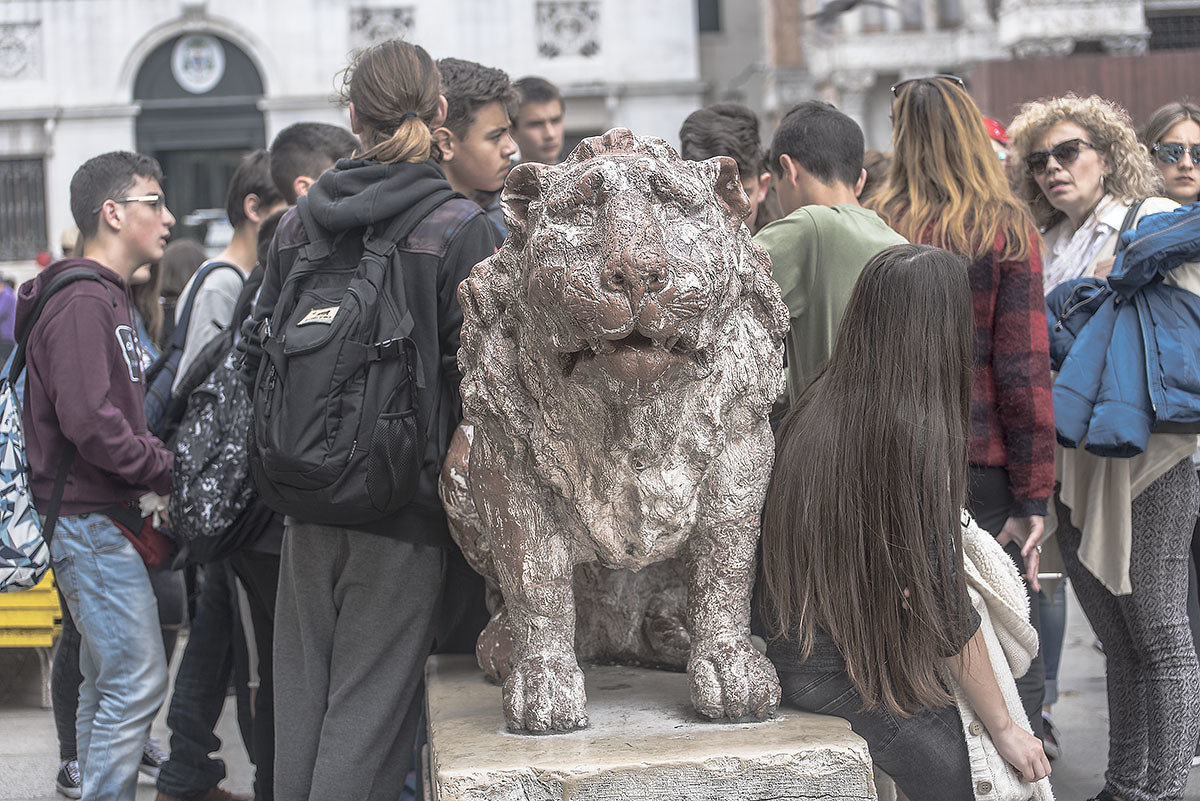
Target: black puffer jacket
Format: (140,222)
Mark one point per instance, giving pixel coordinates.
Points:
(437,256)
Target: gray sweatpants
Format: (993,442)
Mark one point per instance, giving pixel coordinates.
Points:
(1153,684)
(353,625)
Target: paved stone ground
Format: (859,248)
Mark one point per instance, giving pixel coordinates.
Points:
(29,753)
(29,747)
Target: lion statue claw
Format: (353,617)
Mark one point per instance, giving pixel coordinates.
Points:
(620,355)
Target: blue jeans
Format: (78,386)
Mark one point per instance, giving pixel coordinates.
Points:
(108,591)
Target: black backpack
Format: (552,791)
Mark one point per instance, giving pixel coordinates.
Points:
(161,415)
(337,436)
(213,507)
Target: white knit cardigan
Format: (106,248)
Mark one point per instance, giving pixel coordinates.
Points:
(998,594)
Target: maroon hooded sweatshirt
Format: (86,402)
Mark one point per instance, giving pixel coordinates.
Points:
(84,383)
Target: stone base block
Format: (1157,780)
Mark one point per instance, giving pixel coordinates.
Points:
(645,742)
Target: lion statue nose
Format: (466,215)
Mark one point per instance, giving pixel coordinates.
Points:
(641,267)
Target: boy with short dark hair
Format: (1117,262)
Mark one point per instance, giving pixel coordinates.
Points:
(539,120)
(84,406)
(304,150)
(476,141)
(729,129)
(826,238)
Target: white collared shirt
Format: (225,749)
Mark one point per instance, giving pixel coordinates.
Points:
(1073,255)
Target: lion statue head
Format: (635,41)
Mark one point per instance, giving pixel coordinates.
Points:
(630,310)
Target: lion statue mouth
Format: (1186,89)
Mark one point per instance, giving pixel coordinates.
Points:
(636,358)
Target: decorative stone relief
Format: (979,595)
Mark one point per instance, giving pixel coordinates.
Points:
(1057,47)
(568,28)
(855,81)
(1125,45)
(620,354)
(20,50)
(371,24)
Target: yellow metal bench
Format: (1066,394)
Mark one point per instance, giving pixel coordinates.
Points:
(31,619)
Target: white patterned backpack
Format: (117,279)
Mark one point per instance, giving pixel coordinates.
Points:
(24,538)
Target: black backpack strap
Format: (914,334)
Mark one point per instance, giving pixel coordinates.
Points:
(1128,222)
(320,240)
(68,276)
(60,486)
(179,338)
(403,224)
(386,243)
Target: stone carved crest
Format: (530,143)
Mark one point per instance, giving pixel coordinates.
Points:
(620,354)
(568,28)
(20,50)
(369,25)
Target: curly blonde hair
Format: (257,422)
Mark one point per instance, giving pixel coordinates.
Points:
(1111,132)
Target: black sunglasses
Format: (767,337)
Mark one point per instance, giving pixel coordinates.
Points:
(1064,153)
(939,76)
(1171,152)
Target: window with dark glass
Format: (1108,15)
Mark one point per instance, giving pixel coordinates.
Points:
(709,15)
(1173,31)
(22,208)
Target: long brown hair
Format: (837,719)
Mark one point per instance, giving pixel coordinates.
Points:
(862,528)
(945,186)
(394,86)
(147,299)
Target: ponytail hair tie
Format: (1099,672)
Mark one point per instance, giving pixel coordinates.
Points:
(408,115)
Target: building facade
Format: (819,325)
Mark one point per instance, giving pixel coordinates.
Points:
(1141,53)
(197,83)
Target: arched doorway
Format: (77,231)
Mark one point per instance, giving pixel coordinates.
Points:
(199,97)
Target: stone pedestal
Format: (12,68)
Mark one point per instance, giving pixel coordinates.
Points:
(645,742)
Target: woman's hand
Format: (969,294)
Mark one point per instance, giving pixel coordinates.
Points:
(972,669)
(1027,532)
(1023,751)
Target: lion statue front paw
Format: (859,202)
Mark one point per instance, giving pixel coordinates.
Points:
(545,693)
(730,679)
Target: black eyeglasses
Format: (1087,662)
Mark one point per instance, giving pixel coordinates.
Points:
(158,202)
(1064,153)
(1172,152)
(939,76)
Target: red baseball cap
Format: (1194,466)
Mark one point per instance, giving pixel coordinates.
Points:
(995,130)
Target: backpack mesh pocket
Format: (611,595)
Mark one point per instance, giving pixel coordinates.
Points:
(394,460)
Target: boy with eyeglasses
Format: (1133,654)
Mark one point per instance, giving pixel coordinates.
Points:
(83,406)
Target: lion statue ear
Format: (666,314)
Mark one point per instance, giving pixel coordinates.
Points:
(522,187)
(728,184)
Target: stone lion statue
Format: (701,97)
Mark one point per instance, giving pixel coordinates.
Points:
(620,355)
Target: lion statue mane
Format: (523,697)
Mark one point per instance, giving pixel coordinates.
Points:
(620,356)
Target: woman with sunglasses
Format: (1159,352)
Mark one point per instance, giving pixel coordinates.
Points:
(1173,136)
(947,188)
(1123,525)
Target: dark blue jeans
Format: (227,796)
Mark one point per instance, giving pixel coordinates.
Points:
(925,754)
(200,689)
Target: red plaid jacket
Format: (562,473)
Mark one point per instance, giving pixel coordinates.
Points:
(1012,412)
